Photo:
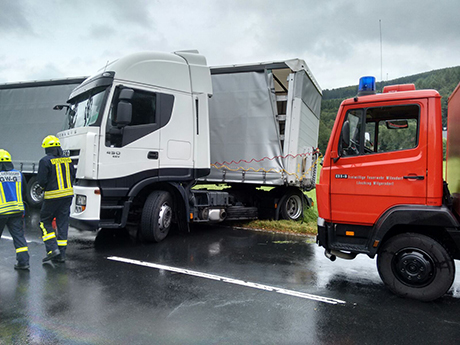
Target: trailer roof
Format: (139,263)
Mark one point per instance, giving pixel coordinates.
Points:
(283,68)
(37,83)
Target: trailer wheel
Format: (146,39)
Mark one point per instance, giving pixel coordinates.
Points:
(291,205)
(156,216)
(35,193)
(416,266)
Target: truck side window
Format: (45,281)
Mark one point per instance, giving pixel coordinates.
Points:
(143,120)
(391,128)
(143,105)
(351,133)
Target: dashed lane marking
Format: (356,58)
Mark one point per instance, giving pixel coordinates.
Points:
(229,280)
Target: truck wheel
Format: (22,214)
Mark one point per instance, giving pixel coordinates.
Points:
(34,193)
(416,266)
(291,205)
(157,216)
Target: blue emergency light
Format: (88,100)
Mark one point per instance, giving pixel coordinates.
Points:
(366,86)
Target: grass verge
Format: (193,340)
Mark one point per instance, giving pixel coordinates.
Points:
(305,227)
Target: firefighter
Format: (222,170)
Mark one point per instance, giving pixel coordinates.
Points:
(12,191)
(56,174)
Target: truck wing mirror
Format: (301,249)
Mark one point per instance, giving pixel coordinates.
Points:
(345,135)
(344,141)
(60,106)
(126,94)
(124,113)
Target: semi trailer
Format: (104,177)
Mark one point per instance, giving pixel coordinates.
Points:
(151,131)
(27,116)
(382,191)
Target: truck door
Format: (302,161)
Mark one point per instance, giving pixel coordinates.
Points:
(382,161)
(132,145)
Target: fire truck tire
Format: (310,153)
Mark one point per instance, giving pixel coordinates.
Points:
(156,216)
(291,205)
(416,266)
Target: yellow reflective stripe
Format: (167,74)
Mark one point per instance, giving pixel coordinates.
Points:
(42,226)
(62,243)
(52,194)
(49,236)
(67,174)
(22,249)
(11,212)
(11,207)
(59,176)
(2,194)
(19,191)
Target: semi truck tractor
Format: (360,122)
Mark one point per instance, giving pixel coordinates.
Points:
(151,131)
(382,191)
(26,117)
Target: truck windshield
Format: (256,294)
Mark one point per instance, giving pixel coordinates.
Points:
(85,111)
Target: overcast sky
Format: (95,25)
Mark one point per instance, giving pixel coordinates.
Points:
(338,39)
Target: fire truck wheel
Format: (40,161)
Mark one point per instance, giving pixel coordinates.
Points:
(157,216)
(291,205)
(416,266)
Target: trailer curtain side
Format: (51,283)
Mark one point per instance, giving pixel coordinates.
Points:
(264,124)
(27,116)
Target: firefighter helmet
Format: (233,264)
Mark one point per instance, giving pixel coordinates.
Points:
(50,141)
(5,156)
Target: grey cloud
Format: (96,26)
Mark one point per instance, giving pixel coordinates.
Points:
(133,12)
(13,18)
(101,31)
(46,71)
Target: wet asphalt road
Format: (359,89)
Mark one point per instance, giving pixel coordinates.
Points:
(110,291)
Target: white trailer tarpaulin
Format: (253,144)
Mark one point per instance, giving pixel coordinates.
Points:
(264,123)
(245,142)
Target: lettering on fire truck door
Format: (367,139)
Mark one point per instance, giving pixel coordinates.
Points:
(382,161)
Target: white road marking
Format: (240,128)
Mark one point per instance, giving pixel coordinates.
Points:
(11,238)
(229,280)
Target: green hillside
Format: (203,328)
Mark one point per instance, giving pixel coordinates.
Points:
(443,80)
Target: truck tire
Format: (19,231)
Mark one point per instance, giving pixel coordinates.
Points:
(291,205)
(416,266)
(34,193)
(157,216)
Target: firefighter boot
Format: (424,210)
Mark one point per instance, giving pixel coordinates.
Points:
(51,254)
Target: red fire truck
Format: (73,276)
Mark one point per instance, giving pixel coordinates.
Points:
(382,191)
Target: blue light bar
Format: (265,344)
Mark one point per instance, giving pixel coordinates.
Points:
(366,86)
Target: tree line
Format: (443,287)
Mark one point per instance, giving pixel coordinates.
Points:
(443,80)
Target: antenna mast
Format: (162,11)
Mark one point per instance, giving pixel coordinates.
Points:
(381,51)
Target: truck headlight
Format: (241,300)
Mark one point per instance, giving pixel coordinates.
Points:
(80,203)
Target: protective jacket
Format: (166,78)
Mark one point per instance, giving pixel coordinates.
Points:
(56,174)
(11,190)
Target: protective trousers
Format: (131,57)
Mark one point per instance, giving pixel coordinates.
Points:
(16,229)
(59,209)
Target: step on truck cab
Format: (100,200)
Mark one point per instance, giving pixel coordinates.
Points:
(381,190)
(144,132)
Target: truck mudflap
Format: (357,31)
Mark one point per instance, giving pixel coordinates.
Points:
(321,237)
